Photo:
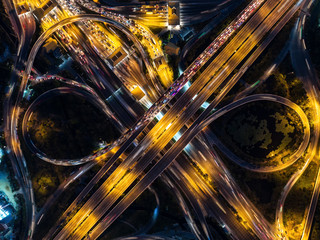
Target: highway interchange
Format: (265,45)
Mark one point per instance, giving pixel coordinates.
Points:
(258,23)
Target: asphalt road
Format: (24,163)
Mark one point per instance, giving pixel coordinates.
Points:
(242,50)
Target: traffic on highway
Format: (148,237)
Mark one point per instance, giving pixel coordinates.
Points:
(123,58)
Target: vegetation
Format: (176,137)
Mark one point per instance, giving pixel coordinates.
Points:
(264,189)
(6,60)
(267,58)
(278,83)
(65,127)
(20,220)
(69,127)
(44,182)
(45,177)
(315,231)
(7,34)
(297,202)
(46,62)
(261,132)
(173,62)
(7,47)
(61,204)
(283,82)
(5,71)
(155,30)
